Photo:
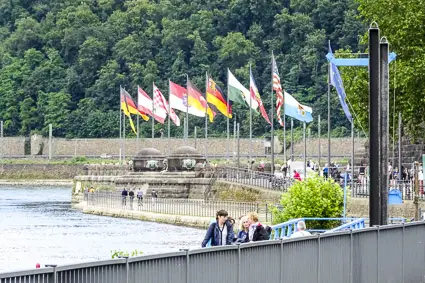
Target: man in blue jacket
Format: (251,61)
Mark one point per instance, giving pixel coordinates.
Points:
(221,232)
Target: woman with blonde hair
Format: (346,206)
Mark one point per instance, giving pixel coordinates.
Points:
(243,236)
(257,232)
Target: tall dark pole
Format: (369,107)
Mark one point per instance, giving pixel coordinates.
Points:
(385,128)
(374,126)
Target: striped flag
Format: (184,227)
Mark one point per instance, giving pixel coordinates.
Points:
(255,94)
(161,103)
(159,109)
(278,88)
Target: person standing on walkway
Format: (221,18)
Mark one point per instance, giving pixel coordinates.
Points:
(256,232)
(124,195)
(140,197)
(131,194)
(154,196)
(300,230)
(243,234)
(297,175)
(219,232)
(326,171)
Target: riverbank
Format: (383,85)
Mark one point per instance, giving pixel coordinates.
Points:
(37,182)
(179,220)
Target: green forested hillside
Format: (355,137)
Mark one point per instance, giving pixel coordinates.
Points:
(62,61)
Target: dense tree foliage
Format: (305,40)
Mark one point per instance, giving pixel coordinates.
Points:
(402,23)
(63,61)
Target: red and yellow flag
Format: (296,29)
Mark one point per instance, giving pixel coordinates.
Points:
(217,99)
(198,102)
(129,107)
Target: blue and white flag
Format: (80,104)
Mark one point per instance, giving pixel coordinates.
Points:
(336,81)
(296,110)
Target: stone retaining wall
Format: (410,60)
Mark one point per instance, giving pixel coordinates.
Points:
(111,147)
(339,147)
(12,146)
(39,171)
(359,207)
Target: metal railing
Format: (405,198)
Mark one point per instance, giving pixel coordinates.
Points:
(254,178)
(392,253)
(177,206)
(353,225)
(361,188)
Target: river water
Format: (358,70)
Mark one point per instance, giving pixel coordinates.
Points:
(38,225)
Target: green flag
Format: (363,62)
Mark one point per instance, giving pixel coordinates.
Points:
(238,93)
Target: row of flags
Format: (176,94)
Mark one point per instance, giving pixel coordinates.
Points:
(191,100)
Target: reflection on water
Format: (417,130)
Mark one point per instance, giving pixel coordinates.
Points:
(39,226)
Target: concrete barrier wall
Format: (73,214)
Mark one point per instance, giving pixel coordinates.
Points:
(40,171)
(15,146)
(339,147)
(98,147)
(12,146)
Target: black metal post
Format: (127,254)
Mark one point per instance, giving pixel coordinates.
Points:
(385,128)
(374,126)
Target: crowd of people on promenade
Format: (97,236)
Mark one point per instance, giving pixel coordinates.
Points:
(221,231)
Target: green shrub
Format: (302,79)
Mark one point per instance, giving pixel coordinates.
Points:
(312,197)
(79,159)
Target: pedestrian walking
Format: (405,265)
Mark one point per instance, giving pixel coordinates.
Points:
(219,232)
(131,194)
(124,195)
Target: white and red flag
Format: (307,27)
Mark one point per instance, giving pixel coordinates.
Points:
(277,86)
(144,102)
(161,107)
(256,95)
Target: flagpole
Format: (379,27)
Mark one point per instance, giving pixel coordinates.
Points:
(284,128)
(250,118)
(169,112)
(292,140)
(272,119)
(187,108)
(123,130)
(234,135)
(120,127)
(352,153)
(329,112)
(206,117)
(305,152)
(318,132)
(137,121)
(228,119)
(153,119)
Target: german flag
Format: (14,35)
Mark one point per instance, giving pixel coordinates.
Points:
(128,107)
(216,97)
